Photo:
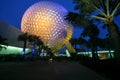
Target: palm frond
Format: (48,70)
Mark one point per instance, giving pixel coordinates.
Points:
(113,4)
(102,4)
(23,37)
(115,9)
(3,41)
(2,47)
(90,30)
(77,19)
(118,12)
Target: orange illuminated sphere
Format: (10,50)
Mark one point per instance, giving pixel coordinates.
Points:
(46,20)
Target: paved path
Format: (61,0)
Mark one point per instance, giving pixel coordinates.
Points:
(42,70)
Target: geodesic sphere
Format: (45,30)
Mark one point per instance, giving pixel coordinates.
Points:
(46,20)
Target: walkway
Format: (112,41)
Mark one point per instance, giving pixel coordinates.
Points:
(42,70)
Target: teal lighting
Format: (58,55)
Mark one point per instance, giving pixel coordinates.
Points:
(67,53)
(13,50)
(101,54)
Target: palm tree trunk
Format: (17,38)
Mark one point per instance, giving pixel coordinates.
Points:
(75,45)
(38,53)
(93,48)
(24,48)
(110,53)
(114,39)
(33,49)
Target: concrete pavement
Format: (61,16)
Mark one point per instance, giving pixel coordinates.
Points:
(43,70)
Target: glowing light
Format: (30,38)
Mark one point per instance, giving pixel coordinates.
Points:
(46,20)
(13,50)
(67,53)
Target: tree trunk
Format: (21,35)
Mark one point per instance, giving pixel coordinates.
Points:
(94,48)
(38,53)
(24,48)
(114,39)
(33,49)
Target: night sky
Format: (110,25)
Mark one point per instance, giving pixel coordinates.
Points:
(11,12)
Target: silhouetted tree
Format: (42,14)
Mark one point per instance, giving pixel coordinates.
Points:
(23,37)
(33,39)
(40,45)
(74,42)
(101,11)
(82,42)
(2,42)
(92,32)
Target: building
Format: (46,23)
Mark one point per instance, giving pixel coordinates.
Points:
(11,34)
(46,19)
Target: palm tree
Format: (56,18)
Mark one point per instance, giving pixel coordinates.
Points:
(49,51)
(33,39)
(2,41)
(99,10)
(23,37)
(40,45)
(92,32)
(74,42)
(82,42)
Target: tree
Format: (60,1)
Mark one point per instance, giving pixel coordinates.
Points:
(40,45)
(33,39)
(92,32)
(82,42)
(49,51)
(74,42)
(100,11)
(23,37)
(2,42)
